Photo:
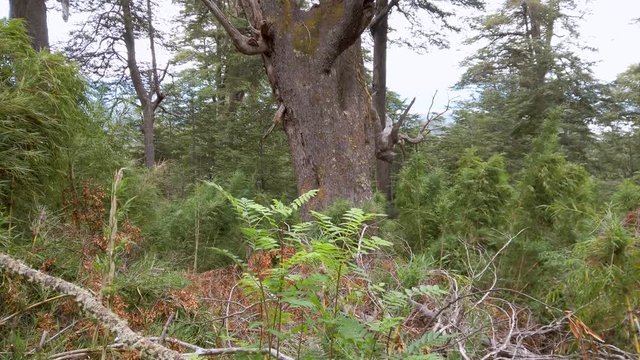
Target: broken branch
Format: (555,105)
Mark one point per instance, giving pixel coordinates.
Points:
(125,337)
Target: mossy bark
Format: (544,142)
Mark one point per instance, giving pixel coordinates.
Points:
(315,66)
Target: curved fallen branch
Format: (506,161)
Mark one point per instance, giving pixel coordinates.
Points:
(125,337)
(91,305)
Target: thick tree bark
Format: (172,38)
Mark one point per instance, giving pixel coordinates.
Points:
(34,13)
(379,32)
(318,73)
(330,127)
(314,63)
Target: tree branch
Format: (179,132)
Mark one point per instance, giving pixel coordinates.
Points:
(132,63)
(91,305)
(125,337)
(382,13)
(252,11)
(425,127)
(244,44)
(337,36)
(390,135)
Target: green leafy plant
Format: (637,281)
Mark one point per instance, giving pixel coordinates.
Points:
(420,191)
(310,286)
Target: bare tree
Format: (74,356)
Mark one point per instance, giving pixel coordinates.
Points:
(105,46)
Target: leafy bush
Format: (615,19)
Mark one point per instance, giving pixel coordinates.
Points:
(308,281)
(420,190)
(478,201)
(203,216)
(599,280)
(554,210)
(627,196)
(41,104)
(554,194)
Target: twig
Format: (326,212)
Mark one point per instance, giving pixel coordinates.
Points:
(75,354)
(197,350)
(493,258)
(43,340)
(226,323)
(165,329)
(61,331)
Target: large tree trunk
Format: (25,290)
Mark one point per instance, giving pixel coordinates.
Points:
(328,118)
(329,126)
(314,63)
(34,13)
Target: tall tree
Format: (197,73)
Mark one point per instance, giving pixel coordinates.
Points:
(616,154)
(34,13)
(313,61)
(150,95)
(312,55)
(111,31)
(523,72)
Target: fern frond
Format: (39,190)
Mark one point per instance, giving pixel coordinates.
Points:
(303,199)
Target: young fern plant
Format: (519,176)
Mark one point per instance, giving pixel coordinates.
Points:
(302,295)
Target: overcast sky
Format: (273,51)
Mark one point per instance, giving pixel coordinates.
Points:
(608,26)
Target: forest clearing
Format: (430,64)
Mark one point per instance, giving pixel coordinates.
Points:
(221,179)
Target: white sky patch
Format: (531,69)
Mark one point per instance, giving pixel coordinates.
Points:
(608,27)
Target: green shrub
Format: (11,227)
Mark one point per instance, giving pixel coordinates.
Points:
(41,106)
(479,198)
(598,278)
(330,251)
(420,190)
(204,216)
(627,196)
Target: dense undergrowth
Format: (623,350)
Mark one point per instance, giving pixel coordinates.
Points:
(480,262)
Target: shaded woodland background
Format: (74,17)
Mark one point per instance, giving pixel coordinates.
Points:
(508,227)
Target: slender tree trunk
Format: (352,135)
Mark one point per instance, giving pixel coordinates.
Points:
(379,32)
(34,12)
(146,97)
(148,119)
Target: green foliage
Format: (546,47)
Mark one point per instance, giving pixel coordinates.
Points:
(202,216)
(147,280)
(332,249)
(420,190)
(479,199)
(519,75)
(553,193)
(219,109)
(627,196)
(41,104)
(600,279)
